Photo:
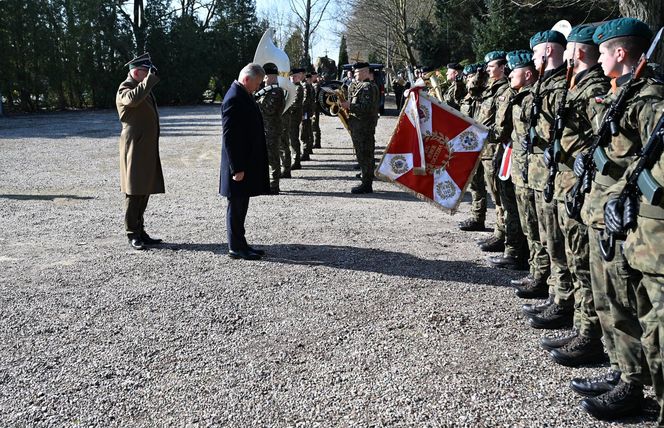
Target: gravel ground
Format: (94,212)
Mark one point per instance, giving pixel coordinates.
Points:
(369,310)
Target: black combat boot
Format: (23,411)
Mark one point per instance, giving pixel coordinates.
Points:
(530,309)
(523,281)
(625,399)
(557,339)
(471,225)
(533,290)
(554,317)
(493,245)
(595,386)
(582,350)
(507,262)
(362,188)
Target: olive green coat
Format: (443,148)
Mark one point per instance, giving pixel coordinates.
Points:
(140,166)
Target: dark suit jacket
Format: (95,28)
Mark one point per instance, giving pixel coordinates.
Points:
(243,146)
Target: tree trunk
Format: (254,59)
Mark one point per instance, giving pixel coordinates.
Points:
(652,13)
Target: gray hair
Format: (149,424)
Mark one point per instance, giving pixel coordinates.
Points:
(252,70)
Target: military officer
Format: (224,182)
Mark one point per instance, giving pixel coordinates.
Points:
(621,44)
(456,89)
(306,132)
(140,166)
(315,120)
(362,105)
(295,114)
(271,101)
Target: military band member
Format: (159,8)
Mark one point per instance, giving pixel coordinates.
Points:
(316,81)
(456,90)
(362,105)
(271,101)
(306,132)
(140,166)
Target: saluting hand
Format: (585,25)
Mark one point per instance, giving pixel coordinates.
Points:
(238,176)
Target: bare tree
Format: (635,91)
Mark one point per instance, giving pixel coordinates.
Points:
(310,14)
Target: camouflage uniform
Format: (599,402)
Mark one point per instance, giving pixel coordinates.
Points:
(363,116)
(306,133)
(540,264)
(493,96)
(295,113)
(644,252)
(469,106)
(272,104)
(454,94)
(553,85)
(577,137)
(315,120)
(616,279)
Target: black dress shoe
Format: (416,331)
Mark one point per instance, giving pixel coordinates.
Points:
(361,189)
(136,243)
(285,174)
(595,386)
(625,399)
(471,225)
(150,241)
(580,351)
(554,317)
(243,254)
(523,281)
(257,251)
(494,245)
(557,339)
(533,290)
(530,309)
(507,262)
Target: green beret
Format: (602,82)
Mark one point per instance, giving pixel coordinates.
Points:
(548,36)
(472,68)
(582,34)
(494,55)
(622,27)
(520,59)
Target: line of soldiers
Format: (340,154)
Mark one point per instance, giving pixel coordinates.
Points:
(576,113)
(297,129)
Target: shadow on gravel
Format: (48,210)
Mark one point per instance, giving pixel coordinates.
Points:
(383,262)
(44,197)
(390,196)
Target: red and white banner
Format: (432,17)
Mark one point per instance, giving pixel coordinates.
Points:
(433,152)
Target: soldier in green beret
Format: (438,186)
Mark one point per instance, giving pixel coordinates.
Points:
(548,48)
(621,44)
(271,101)
(583,345)
(475,78)
(456,89)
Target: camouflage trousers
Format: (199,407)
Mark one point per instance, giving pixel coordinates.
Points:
(560,280)
(364,144)
(284,143)
(538,259)
(295,136)
(307,137)
(614,287)
(577,252)
(650,302)
(273,145)
(515,244)
(315,124)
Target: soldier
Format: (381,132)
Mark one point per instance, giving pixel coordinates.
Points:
(140,166)
(522,78)
(621,44)
(271,100)
(643,249)
(548,48)
(475,82)
(495,94)
(295,117)
(362,106)
(583,345)
(315,120)
(456,90)
(306,133)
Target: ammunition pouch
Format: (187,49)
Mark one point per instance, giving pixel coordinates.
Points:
(650,188)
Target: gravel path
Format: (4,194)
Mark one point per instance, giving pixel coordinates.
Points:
(369,311)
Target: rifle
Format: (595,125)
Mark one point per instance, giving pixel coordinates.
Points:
(535,110)
(558,128)
(640,182)
(595,159)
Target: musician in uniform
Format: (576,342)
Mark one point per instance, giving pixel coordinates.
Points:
(362,106)
(140,166)
(315,120)
(456,89)
(621,44)
(271,100)
(306,133)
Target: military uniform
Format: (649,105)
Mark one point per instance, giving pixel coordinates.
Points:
(306,132)
(271,102)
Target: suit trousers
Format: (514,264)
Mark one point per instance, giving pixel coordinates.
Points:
(135,206)
(236,213)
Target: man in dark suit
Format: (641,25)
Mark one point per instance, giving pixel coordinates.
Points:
(244,164)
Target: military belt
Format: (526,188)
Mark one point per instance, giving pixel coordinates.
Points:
(651,211)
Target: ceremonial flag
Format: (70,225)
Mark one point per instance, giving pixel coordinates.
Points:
(433,152)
